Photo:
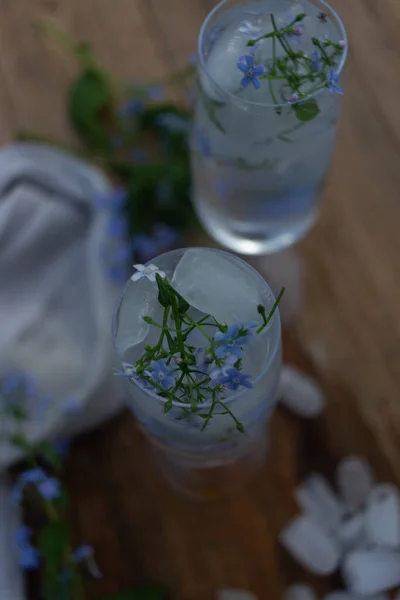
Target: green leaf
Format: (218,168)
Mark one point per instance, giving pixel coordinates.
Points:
(53,543)
(89,99)
(307,110)
(261,310)
(49,454)
(183,305)
(164,296)
(154,592)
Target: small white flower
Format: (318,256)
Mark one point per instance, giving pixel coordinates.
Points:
(150,272)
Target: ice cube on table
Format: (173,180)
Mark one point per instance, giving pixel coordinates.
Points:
(352,532)
(140,299)
(317,499)
(354,479)
(311,546)
(299,592)
(382,516)
(214,284)
(344,595)
(235,594)
(300,393)
(370,572)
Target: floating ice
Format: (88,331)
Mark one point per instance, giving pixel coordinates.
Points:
(140,300)
(318,500)
(354,480)
(215,284)
(299,592)
(300,393)
(371,571)
(311,546)
(382,516)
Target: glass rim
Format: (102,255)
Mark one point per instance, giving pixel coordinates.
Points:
(245,102)
(273,350)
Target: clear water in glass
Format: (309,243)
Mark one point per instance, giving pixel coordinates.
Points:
(257,175)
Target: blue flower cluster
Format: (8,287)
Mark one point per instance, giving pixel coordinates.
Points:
(120,250)
(48,487)
(28,556)
(220,363)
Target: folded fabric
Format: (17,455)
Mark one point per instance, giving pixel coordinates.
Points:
(56,300)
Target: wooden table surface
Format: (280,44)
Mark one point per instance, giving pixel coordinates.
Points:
(142,532)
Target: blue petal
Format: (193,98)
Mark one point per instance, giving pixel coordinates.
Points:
(245,82)
(258,71)
(256,83)
(249,60)
(242,67)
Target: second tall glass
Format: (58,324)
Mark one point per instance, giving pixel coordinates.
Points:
(258,165)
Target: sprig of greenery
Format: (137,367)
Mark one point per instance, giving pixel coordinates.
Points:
(298,70)
(95,106)
(61,576)
(191,385)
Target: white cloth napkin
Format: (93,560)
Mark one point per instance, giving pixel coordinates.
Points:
(56,304)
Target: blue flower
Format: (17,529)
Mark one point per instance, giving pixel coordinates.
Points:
(29,558)
(139,156)
(316,64)
(33,476)
(162,374)
(251,72)
(23,535)
(202,143)
(28,555)
(82,553)
(61,447)
(132,107)
(49,489)
(230,343)
(156,92)
(165,236)
(333,83)
(233,380)
(117,225)
(72,406)
(122,253)
(117,198)
(118,274)
(144,247)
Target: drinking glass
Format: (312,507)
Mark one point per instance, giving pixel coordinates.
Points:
(204,463)
(258,175)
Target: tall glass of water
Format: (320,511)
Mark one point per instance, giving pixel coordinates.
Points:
(204,414)
(266,119)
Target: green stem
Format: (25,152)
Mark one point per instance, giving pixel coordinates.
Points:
(272,311)
(210,412)
(199,327)
(239,425)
